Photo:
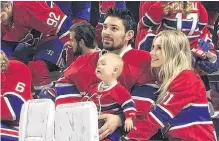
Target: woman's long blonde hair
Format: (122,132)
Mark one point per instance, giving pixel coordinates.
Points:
(176,53)
(3,61)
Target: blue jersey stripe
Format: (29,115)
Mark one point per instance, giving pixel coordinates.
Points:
(185,24)
(191,114)
(66,90)
(147,22)
(161,115)
(111,107)
(128,105)
(16,104)
(145,91)
(65,26)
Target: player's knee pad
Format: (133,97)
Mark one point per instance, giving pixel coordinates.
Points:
(34,127)
(83,115)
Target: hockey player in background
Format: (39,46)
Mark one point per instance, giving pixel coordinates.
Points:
(188,17)
(82,41)
(181,110)
(15,90)
(78,11)
(103,7)
(41,28)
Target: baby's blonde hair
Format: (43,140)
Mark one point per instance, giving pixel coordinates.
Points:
(175,49)
(117,61)
(3,61)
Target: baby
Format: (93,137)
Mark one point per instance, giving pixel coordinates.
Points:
(109,95)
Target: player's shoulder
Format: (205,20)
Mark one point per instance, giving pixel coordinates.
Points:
(119,88)
(139,54)
(186,79)
(30,5)
(88,56)
(82,60)
(85,59)
(24,4)
(188,75)
(136,57)
(18,67)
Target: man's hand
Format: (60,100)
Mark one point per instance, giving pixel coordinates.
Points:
(112,122)
(207,66)
(205,45)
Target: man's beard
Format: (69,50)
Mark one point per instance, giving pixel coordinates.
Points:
(113,48)
(78,51)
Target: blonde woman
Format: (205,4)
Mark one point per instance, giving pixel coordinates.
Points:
(181,111)
(15,90)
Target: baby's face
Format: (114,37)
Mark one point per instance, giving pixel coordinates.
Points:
(105,68)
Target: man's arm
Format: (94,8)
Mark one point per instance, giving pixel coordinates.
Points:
(66,91)
(48,19)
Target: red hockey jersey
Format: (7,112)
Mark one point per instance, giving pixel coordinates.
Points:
(15,90)
(182,114)
(191,23)
(112,99)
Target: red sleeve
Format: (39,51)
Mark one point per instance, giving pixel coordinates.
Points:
(120,94)
(154,15)
(203,16)
(47,19)
(42,17)
(144,7)
(123,98)
(104,5)
(66,92)
(146,73)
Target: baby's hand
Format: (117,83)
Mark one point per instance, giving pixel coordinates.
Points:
(128,124)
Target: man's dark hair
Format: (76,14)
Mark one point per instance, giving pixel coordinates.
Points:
(84,31)
(126,16)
